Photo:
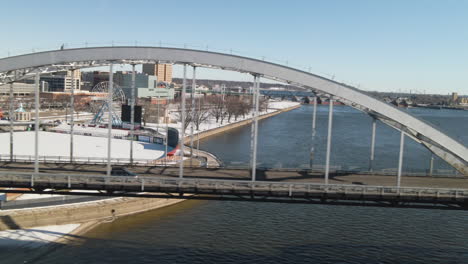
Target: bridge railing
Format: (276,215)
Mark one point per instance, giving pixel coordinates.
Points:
(318,168)
(78,160)
(56,200)
(285,189)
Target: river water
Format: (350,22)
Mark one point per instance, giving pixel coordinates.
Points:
(245,232)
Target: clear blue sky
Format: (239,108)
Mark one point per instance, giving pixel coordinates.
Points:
(381,45)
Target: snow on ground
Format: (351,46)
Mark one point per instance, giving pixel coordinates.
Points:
(93,130)
(34,237)
(29,196)
(281,104)
(210,123)
(57,144)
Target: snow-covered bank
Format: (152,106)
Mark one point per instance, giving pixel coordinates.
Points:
(34,237)
(211,123)
(57,144)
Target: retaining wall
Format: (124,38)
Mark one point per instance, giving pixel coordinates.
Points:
(217,130)
(80,213)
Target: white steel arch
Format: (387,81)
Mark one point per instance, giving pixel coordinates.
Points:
(19,67)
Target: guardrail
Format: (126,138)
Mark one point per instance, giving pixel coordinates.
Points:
(57,200)
(317,168)
(289,190)
(78,160)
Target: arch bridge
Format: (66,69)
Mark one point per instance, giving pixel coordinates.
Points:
(25,66)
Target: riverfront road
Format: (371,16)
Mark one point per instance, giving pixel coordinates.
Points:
(244,174)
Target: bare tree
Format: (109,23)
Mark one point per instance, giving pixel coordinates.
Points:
(149,112)
(217,108)
(232,107)
(263,106)
(188,113)
(201,113)
(242,108)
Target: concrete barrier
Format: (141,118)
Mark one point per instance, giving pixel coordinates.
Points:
(107,210)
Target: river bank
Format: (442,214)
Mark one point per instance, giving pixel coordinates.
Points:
(39,223)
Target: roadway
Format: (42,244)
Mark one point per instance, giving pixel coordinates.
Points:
(276,175)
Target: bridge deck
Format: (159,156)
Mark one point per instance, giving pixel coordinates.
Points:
(244,174)
(231,184)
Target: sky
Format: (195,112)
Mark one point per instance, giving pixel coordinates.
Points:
(419,46)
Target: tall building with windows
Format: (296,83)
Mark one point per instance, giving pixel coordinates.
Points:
(163,71)
(60,81)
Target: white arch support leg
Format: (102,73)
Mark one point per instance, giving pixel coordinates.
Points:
(109,122)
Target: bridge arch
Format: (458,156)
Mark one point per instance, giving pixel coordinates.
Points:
(447,148)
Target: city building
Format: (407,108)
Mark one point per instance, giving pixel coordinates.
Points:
(19,89)
(91,79)
(146,85)
(162,71)
(60,81)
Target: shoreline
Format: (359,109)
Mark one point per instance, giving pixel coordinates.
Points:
(87,225)
(217,130)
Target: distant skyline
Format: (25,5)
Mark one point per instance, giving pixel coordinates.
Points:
(419,45)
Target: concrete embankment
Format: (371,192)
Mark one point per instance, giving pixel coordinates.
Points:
(107,210)
(211,132)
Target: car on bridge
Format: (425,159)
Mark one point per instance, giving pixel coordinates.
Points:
(122,171)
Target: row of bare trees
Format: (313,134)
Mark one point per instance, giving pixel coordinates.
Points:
(219,107)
